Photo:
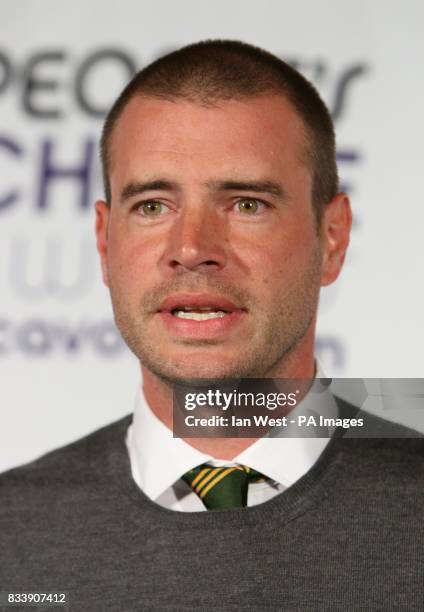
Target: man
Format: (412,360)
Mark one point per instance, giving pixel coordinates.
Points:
(222,219)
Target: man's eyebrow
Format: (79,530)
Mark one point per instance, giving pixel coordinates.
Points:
(254,186)
(138,187)
(135,188)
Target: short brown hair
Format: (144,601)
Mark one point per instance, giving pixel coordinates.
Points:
(213,70)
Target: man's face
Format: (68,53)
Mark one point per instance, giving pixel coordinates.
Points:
(210,247)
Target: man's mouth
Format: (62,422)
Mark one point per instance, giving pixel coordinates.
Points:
(198,314)
(198,307)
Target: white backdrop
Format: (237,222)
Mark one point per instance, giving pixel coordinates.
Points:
(63,369)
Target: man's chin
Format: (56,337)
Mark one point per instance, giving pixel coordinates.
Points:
(201,371)
(193,377)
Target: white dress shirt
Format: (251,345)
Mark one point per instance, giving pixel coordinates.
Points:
(158,460)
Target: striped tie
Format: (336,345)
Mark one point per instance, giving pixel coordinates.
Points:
(222,487)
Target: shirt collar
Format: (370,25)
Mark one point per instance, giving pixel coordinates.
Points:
(158,459)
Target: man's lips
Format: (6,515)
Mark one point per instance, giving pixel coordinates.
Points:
(200,302)
(192,317)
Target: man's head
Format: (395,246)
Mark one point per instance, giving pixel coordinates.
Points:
(222,218)
(213,71)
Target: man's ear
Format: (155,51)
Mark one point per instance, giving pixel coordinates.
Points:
(102,223)
(335,232)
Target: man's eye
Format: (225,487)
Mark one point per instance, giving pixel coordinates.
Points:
(151,208)
(249,206)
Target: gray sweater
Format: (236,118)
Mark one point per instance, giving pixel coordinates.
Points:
(347,536)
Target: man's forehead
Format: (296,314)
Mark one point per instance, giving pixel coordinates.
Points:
(143,114)
(261,129)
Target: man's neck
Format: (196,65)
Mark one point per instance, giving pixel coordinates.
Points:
(159,396)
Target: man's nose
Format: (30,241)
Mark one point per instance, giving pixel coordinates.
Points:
(198,239)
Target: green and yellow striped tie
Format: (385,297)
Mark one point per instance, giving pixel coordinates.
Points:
(222,487)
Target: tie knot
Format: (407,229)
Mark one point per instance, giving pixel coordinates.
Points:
(222,487)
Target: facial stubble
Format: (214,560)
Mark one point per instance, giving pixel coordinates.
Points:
(276,335)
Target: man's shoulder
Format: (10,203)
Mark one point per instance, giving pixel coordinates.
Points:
(67,463)
(374,426)
(381,445)
(49,506)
